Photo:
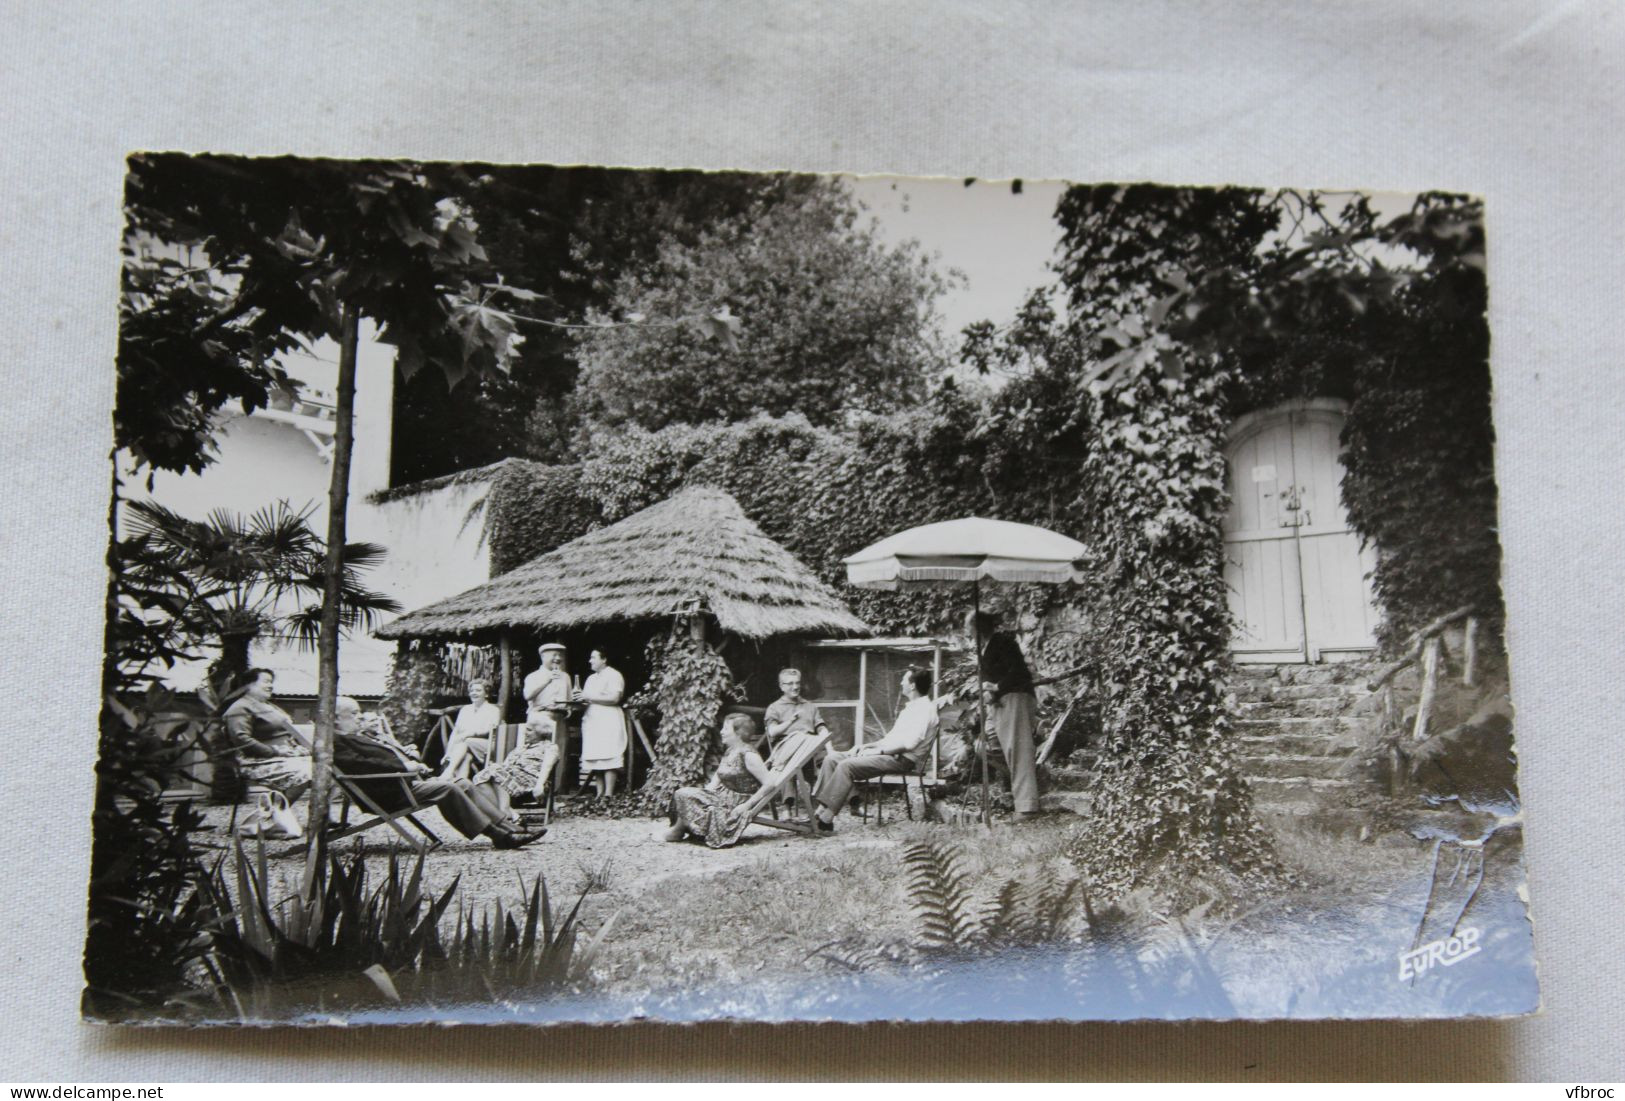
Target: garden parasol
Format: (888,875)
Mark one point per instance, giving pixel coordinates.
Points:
(974,549)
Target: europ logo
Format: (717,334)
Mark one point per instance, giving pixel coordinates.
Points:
(1444,952)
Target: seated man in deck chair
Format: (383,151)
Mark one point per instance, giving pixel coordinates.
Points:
(790,718)
(906,749)
(470,809)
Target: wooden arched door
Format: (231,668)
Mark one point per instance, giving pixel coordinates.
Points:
(1298,577)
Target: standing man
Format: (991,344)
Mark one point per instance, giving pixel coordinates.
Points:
(906,749)
(1013,709)
(547,703)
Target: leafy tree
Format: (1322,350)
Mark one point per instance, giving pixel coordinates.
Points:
(180,357)
(818,315)
(301,249)
(564,234)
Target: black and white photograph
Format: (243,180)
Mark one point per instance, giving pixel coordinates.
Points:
(551,594)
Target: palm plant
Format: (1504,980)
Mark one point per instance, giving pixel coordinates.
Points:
(243,578)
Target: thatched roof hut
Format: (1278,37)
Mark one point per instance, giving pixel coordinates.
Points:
(695,552)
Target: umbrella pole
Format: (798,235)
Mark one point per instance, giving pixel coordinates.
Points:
(981,698)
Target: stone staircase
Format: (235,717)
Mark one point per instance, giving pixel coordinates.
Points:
(1297,730)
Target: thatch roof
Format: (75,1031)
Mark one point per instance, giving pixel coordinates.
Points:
(694,551)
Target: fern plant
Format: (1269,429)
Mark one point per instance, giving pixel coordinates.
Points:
(940,893)
(949,915)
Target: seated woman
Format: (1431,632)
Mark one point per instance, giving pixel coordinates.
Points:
(470,744)
(528,770)
(273,752)
(708,812)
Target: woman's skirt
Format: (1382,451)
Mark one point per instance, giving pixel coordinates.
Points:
(525,771)
(284,774)
(709,814)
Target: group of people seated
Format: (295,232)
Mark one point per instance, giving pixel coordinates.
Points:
(275,754)
(476,792)
(549,695)
(717,813)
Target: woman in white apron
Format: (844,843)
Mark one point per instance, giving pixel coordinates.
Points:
(603,726)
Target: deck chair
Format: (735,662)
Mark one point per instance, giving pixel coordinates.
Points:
(915,786)
(779,781)
(352,793)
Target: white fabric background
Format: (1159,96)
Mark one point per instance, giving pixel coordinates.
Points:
(1519,102)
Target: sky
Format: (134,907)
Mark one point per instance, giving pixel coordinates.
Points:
(999,241)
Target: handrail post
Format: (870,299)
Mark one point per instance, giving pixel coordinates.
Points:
(1430,686)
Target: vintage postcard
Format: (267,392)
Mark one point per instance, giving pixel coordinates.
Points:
(556,594)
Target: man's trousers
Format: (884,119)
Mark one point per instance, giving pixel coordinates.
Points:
(837,775)
(1014,720)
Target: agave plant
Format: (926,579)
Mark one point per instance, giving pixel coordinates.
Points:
(347,944)
(234,579)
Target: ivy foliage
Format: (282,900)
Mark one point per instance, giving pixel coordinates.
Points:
(1192,307)
(416,682)
(1168,795)
(688,686)
(1304,295)
(819,492)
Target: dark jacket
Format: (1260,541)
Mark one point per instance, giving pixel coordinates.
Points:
(1004,665)
(358,754)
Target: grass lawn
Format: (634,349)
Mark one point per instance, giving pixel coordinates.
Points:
(788,926)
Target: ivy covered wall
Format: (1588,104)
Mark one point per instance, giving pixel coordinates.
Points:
(820,493)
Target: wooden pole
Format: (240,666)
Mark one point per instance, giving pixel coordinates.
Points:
(504,674)
(863,697)
(1430,685)
(1049,742)
(976,630)
(1413,646)
(1390,727)
(338,502)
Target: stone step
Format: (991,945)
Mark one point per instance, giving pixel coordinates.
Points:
(1303,708)
(1298,766)
(1299,689)
(1269,791)
(1330,727)
(1352,823)
(1340,672)
(1292,745)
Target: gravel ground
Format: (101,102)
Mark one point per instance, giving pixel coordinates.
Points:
(619,856)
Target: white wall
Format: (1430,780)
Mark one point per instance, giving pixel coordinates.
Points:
(262,460)
(436,549)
